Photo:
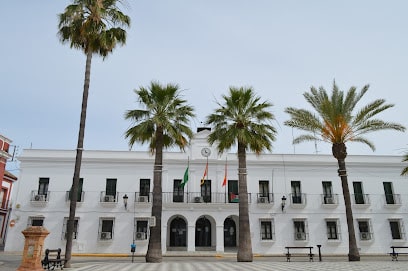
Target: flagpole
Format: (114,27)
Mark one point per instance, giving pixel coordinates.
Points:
(225,176)
(188,172)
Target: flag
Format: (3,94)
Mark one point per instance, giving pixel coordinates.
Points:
(205,174)
(224,183)
(185,178)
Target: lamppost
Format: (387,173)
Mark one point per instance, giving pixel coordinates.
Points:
(283,203)
(125,200)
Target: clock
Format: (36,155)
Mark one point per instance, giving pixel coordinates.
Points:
(205,152)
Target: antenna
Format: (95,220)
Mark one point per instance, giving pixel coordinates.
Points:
(293,138)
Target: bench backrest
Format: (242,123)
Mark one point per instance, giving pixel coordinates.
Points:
(53,253)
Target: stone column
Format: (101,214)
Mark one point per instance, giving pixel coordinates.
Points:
(220,238)
(33,248)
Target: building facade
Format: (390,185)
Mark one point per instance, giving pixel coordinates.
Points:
(6,184)
(115,195)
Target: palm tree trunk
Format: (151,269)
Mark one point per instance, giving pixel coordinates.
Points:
(154,250)
(245,246)
(340,152)
(78,161)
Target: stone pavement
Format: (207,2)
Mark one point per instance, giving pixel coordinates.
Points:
(253,266)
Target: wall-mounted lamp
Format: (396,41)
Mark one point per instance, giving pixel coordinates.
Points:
(125,200)
(283,202)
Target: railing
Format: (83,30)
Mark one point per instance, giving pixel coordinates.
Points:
(108,197)
(35,196)
(297,198)
(361,198)
(262,198)
(143,197)
(392,199)
(81,197)
(365,236)
(301,236)
(329,199)
(197,197)
(5,205)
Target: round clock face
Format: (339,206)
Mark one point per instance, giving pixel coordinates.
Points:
(205,152)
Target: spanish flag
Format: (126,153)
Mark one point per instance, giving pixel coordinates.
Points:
(224,183)
(205,174)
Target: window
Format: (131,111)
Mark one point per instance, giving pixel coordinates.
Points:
(106,228)
(43,186)
(296,192)
(111,187)
(300,230)
(64,228)
(35,221)
(327,193)
(332,229)
(144,187)
(264,192)
(364,228)
(79,197)
(141,229)
(389,194)
(178,191)
(206,190)
(397,229)
(233,191)
(267,230)
(358,193)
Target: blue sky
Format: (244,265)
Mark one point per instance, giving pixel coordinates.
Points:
(280,48)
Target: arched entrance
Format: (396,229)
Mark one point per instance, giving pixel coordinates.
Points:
(178,232)
(230,233)
(203,232)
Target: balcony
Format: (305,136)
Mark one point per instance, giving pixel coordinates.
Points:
(297,200)
(81,197)
(204,198)
(108,200)
(264,199)
(4,206)
(39,199)
(392,200)
(144,198)
(329,200)
(361,200)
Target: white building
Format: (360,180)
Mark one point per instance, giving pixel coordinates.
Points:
(205,217)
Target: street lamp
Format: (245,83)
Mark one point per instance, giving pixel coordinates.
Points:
(125,200)
(283,202)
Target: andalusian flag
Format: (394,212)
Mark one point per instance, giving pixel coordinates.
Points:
(185,178)
(205,174)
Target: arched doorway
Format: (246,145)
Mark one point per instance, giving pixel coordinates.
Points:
(178,233)
(203,232)
(230,233)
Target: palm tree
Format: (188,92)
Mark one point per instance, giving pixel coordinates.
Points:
(93,26)
(163,123)
(337,123)
(405,170)
(243,121)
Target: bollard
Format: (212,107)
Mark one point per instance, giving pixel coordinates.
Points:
(133,249)
(320,253)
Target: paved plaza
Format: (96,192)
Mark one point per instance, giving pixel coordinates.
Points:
(10,262)
(254,266)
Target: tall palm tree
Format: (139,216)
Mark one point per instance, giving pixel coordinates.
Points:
(163,123)
(336,122)
(93,26)
(405,170)
(243,121)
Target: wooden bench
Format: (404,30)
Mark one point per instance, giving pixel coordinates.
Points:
(289,254)
(52,259)
(394,254)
